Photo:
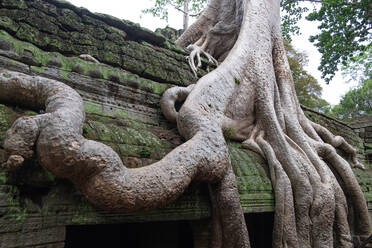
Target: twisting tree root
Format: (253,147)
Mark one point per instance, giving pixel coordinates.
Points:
(89,58)
(169,99)
(195,53)
(308,176)
(249,97)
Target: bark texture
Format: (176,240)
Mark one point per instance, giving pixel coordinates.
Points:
(254,90)
(250,97)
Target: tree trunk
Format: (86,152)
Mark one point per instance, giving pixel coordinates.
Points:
(310,179)
(186,15)
(251,95)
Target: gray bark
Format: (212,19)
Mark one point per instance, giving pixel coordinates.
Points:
(186,15)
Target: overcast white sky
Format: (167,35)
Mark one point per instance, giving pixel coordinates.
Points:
(131,10)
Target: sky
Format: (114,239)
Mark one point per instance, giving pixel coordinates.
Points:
(131,10)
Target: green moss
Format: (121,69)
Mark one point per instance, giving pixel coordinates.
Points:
(38,69)
(84,213)
(19,4)
(93,108)
(119,114)
(6,119)
(174,48)
(229,133)
(15,210)
(146,84)
(30,113)
(55,44)
(8,24)
(3,177)
(27,32)
(7,75)
(146,152)
(22,47)
(160,88)
(237,81)
(69,64)
(249,169)
(368,151)
(64,74)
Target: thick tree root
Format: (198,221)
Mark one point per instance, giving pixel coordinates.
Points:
(96,168)
(310,179)
(169,99)
(338,142)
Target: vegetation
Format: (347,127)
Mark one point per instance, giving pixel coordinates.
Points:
(355,103)
(345,30)
(307,87)
(189,8)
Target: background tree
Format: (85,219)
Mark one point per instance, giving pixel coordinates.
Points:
(345,30)
(189,8)
(308,89)
(355,103)
(292,11)
(359,67)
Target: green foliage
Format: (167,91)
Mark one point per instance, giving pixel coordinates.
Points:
(359,68)
(345,27)
(307,87)
(345,33)
(291,13)
(160,8)
(355,103)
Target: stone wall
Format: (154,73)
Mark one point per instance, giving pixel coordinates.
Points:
(363,127)
(339,128)
(122,104)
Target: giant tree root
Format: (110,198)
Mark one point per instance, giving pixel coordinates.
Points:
(250,97)
(311,181)
(56,136)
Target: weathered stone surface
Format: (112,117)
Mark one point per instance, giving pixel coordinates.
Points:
(363,127)
(62,27)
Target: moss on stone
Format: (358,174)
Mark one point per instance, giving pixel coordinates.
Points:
(8,24)
(84,213)
(250,169)
(19,4)
(38,69)
(109,39)
(15,210)
(3,177)
(119,114)
(7,116)
(93,108)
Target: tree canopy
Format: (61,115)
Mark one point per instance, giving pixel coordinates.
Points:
(307,87)
(355,103)
(189,8)
(345,32)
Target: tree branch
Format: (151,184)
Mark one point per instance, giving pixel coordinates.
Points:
(184,12)
(353,4)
